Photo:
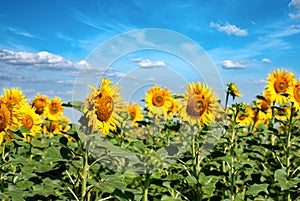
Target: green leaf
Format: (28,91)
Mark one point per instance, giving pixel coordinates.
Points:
(77,105)
(255,189)
(191,180)
(281,176)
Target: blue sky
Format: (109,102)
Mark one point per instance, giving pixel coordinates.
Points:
(45,44)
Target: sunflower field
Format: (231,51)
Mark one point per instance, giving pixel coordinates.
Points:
(177,147)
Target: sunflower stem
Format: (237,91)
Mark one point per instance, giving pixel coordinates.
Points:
(288,144)
(146,187)
(85,176)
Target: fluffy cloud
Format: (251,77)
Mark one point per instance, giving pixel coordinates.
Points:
(266,60)
(146,63)
(230,64)
(229,29)
(41,59)
(296,5)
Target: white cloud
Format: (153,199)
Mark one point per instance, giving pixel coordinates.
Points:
(266,60)
(296,5)
(255,81)
(230,64)
(22,33)
(229,29)
(41,59)
(146,63)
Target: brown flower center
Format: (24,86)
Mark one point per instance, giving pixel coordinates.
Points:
(196,106)
(264,105)
(297,93)
(104,107)
(54,108)
(158,100)
(39,105)
(27,121)
(280,86)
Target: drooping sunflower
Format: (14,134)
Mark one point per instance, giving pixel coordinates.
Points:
(158,101)
(135,113)
(233,90)
(174,109)
(27,118)
(279,83)
(105,107)
(54,109)
(5,121)
(294,92)
(40,103)
(199,105)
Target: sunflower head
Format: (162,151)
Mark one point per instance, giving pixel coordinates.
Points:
(174,109)
(200,104)
(54,109)
(294,93)
(158,101)
(233,90)
(5,117)
(279,83)
(102,107)
(264,103)
(27,118)
(135,113)
(39,103)
(14,99)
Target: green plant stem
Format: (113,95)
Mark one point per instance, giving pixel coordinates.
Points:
(232,177)
(84,176)
(146,186)
(288,144)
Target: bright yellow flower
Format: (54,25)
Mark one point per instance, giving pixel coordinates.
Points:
(54,109)
(27,118)
(103,111)
(174,109)
(52,127)
(5,121)
(279,83)
(283,113)
(64,123)
(158,101)
(13,98)
(294,92)
(233,90)
(135,113)
(40,103)
(200,104)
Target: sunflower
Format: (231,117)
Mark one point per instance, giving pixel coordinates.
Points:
(64,123)
(13,98)
(283,113)
(51,127)
(233,90)
(174,109)
(158,101)
(28,119)
(294,92)
(278,84)
(39,103)
(54,109)
(242,114)
(199,105)
(5,121)
(135,113)
(103,107)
